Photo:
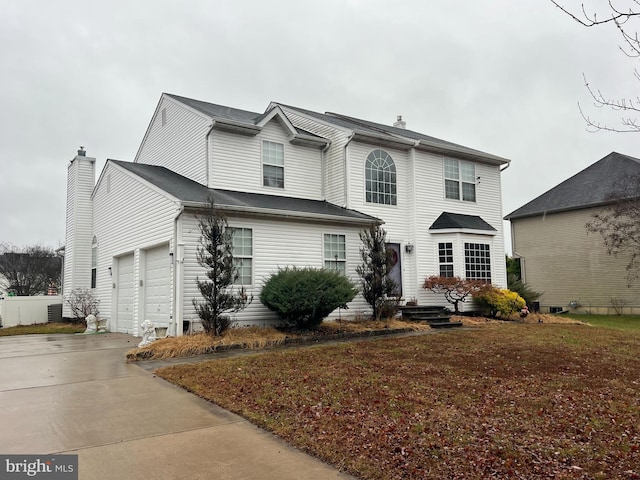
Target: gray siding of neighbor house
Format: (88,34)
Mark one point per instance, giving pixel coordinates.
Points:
(565,263)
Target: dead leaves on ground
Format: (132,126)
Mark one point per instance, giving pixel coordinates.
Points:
(524,401)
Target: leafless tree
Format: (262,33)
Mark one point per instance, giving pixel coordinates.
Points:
(82,303)
(29,270)
(618,223)
(624,19)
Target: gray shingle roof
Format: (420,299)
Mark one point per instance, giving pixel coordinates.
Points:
(219,111)
(448,220)
(589,188)
(194,193)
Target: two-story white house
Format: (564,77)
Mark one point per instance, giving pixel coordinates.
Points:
(297,187)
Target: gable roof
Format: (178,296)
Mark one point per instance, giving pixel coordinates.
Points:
(457,221)
(408,137)
(194,194)
(589,188)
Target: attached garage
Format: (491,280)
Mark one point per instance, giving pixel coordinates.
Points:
(157,286)
(125,294)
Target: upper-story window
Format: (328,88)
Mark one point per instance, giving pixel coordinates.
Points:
(94,262)
(380,175)
(272,164)
(459,180)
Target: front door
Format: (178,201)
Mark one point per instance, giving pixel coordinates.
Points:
(396,266)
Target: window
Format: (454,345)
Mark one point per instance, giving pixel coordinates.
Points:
(477,261)
(445,254)
(459,180)
(272,164)
(94,262)
(335,256)
(242,241)
(380,176)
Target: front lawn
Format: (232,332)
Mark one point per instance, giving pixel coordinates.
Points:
(622,322)
(520,401)
(42,328)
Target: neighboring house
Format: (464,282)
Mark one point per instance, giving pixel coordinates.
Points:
(558,257)
(297,186)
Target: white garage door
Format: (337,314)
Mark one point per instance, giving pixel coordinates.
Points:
(157,286)
(124,286)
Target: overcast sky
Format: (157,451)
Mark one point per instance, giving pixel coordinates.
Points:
(501,76)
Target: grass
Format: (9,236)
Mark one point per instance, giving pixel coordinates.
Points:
(42,328)
(621,322)
(253,337)
(518,401)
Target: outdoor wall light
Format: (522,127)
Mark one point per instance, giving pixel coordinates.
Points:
(110,272)
(171,257)
(408,248)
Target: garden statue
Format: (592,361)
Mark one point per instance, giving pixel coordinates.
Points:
(148,333)
(92,324)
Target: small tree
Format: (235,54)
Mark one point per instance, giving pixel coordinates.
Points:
(82,303)
(374,271)
(305,296)
(454,289)
(215,253)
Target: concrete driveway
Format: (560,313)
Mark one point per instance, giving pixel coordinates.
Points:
(75,394)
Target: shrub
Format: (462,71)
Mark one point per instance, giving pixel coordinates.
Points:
(516,285)
(305,296)
(82,303)
(500,301)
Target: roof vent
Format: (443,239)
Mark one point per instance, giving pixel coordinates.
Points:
(82,152)
(400,123)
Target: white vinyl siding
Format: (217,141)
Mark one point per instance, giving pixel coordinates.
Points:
(179,144)
(236,163)
(275,244)
(79,224)
(132,218)
(334,173)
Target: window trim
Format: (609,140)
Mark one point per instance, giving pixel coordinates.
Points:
(459,180)
(236,257)
(389,169)
(264,163)
(332,259)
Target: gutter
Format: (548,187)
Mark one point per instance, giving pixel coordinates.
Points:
(206,152)
(178,275)
(346,171)
(283,214)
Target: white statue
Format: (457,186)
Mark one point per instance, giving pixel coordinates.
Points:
(148,333)
(92,324)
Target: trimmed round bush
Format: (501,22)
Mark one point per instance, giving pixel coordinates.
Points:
(305,296)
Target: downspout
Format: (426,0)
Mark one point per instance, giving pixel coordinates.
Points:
(177,276)
(346,171)
(323,171)
(206,152)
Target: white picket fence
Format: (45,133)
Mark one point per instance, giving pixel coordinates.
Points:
(26,310)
